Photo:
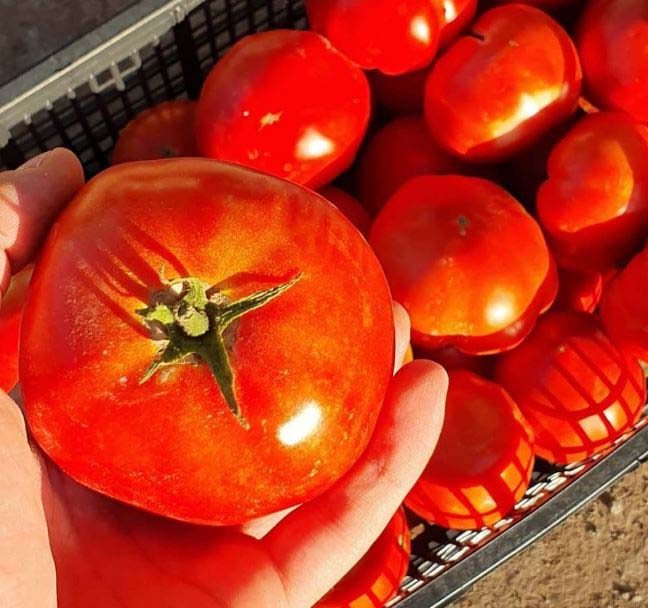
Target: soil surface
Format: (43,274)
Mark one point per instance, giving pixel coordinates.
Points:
(597,559)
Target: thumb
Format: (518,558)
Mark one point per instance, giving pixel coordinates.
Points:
(30,199)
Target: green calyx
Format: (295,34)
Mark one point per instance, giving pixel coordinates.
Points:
(189,318)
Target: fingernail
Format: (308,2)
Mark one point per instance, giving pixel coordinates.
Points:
(34,163)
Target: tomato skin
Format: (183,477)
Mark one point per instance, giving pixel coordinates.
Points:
(402,149)
(393,37)
(483,462)
(486,100)
(577,390)
(624,307)
(457,14)
(594,204)
(441,240)
(163,131)
(11,312)
(375,579)
(612,39)
(287,103)
(579,291)
(171,445)
(349,206)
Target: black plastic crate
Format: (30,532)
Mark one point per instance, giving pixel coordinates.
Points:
(83,95)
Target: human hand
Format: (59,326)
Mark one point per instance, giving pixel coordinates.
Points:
(63,545)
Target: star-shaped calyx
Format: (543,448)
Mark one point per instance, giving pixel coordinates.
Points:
(190,318)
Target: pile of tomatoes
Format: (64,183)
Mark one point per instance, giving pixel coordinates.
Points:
(495,157)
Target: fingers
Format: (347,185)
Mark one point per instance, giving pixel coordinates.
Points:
(27,576)
(30,199)
(403,328)
(317,544)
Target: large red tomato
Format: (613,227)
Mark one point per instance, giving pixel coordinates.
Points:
(594,206)
(612,39)
(483,462)
(247,381)
(393,37)
(163,131)
(576,389)
(496,91)
(11,312)
(374,580)
(287,103)
(402,149)
(624,307)
(466,260)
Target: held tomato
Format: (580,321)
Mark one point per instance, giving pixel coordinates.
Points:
(402,149)
(594,205)
(11,312)
(393,37)
(284,102)
(466,260)
(497,91)
(576,389)
(163,131)
(612,38)
(483,462)
(349,206)
(624,307)
(374,580)
(225,393)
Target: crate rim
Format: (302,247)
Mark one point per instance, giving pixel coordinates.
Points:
(63,71)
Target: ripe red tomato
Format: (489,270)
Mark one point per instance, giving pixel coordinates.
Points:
(375,579)
(402,149)
(594,205)
(579,290)
(399,95)
(11,312)
(624,307)
(287,103)
(576,389)
(163,131)
(259,401)
(349,206)
(457,14)
(466,260)
(612,38)
(393,37)
(483,462)
(498,90)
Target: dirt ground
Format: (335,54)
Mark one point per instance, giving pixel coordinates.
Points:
(597,559)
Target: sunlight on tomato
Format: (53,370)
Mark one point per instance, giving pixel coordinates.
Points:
(442,241)
(578,391)
(594,204)
(374,580)
(483,462)
(498,90)
(150,374)
(284,102)
(393,37)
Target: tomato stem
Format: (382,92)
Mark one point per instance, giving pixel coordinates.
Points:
(192,318)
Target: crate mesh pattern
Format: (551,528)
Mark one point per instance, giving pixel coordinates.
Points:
(171,66)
